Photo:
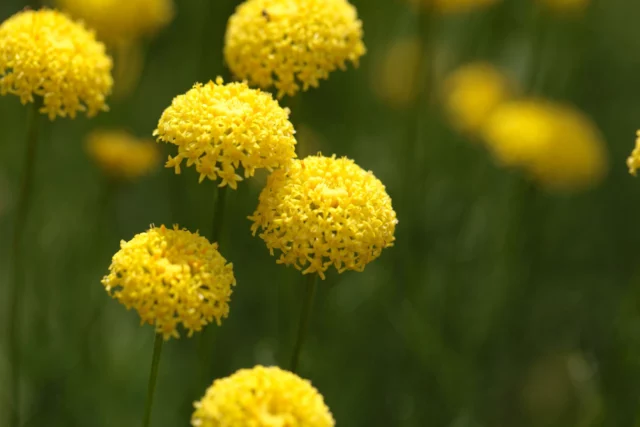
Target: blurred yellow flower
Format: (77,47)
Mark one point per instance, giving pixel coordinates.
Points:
(394,77)
(219,128)
(118,21)
(292,43)
(323,211)
(171,277)
(565,5)
(46,54)
(262,397)
(120,155)
(633,162)
(454,6)
(556,145)
(472,92)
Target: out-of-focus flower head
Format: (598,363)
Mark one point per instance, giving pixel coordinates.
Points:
(219,128)
(44,53)
(394,78)
(454,6)
(171,277)
(292,44)
(472,92)
(633,162)
(122,156)
(118,21)
(262,397)
(554,144)
(323,211)
(565,6)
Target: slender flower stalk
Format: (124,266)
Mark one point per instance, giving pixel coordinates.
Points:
(305,316)
(153,376)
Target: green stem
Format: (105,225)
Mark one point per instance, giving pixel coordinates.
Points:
(155,362)
(305,316)
(218,214)
(16,292)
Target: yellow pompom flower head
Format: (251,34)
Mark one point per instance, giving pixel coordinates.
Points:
(262,397)
(120,155)
(292,44)
(44,53)
(554,144)
(219,128)
(633,162)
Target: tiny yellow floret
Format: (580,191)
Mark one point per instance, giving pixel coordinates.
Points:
(472,92)
(219,128)
(122,156)
(633,162)
(556,145)
(44,53)
(292,44)
(118,21)
(262,397)
(171,277)
(324,211)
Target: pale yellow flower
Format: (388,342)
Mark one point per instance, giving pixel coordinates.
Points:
(171,277)
(219,128)
(120,155)
(323,211)
(472,92)
(633,162)
(394,78)
(292,44)
(554,144)
(262,397)
(44,53)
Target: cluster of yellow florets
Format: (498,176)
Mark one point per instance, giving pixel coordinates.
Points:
(292,43)
(120,155)
(324,211)
(171,277)
(44,53)
(117,20)
(556,145)
(262,397)
(633,162)
(454,6)
(472,92)
(219,128)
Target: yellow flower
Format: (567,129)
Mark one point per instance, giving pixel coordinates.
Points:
(554,144)
(121,20)
(171,277)
(121,155)
(472,92)
(454,6)
(633,162)
(44,53)
(394,77)
(292,43)
(220,127)
(324,211)
(262,397)
(565,5)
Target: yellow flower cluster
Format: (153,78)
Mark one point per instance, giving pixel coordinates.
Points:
(555,144)
(262,397)
(120,155)
(566,5)
(472,92)
(633,162)
(117,20)
(44,53)
(220,127)
(171,277)
(454,6)
(324,211)
(289,43)
(395,79)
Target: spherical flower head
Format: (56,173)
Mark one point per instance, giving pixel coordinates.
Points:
(324,211)
(219,128)
(292,44)
(262,397)
(45,53)
(454,6)
(395,79)
(171,277)
(120,155)
(565,6)
(118,21)
(554,144)
(633,162)
(472,92)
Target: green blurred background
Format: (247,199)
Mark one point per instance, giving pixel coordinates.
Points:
(487,312)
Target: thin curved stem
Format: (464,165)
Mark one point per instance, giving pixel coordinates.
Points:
(153,376)
(305,316)
(16,290)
